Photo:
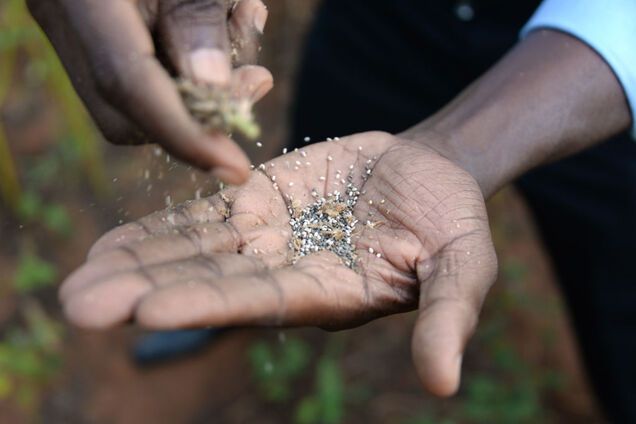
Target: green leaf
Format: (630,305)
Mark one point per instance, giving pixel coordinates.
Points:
(330,391)
(294,357)
(29,206)
(56,219)
(308,411)
(34,273)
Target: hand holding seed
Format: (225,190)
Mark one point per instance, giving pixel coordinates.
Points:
(123,57)
(365,226)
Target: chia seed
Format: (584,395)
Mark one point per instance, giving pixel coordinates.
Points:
(327,224)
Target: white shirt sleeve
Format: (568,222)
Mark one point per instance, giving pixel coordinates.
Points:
(608,26)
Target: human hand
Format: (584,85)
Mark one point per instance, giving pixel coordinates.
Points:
(225,260)
(120,55)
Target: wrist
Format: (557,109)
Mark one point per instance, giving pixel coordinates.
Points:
(549,97)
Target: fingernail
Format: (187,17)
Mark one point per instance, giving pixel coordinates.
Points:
(260,18)
(210,66)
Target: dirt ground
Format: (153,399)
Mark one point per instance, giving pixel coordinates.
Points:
(523,356)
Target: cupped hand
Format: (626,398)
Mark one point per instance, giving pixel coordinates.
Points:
(121,55)
(422,242)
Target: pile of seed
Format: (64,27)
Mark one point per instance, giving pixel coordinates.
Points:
(327,224)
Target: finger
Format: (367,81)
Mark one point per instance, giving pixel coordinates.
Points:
(251,83)
(179,244)
(111,301)
(208,210)
(195,36)
(114,126)
(131,79)
(318,290)
(246,26)
(450,301)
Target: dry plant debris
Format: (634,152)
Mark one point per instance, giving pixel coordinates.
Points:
(216,109)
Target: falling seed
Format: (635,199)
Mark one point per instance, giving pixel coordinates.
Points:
(378,255)
(370,202)
(285,150)
(308,163)
(272,164)
(261,167)
(351,167)
(359,148)
(298,163)
(371,250)
(291,184)
(329,158)
(259,144)
(382,201)
(303,153)
(322,178)
(307,139)
(273,177)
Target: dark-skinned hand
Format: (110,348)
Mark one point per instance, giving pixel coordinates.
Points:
(225,260)
(121,56)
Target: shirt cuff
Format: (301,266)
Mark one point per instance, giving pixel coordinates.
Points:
(608,26)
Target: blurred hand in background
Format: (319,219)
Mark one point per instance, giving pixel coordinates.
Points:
(122,55)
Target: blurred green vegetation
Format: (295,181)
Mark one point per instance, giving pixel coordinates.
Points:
(279,367)
(503,388)
(29,65)
(30,356)
(30,344)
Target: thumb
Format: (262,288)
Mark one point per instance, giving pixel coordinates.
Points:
(195,36)
(450,301)
(440,335)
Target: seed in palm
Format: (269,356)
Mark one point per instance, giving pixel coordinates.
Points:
(327,224)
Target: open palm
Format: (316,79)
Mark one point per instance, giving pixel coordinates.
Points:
(422,241)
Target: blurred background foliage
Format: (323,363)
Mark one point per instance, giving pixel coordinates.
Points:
(30,72)
(57,195)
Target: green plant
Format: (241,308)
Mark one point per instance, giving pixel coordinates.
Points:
(326,404)
(33,273)
(53,216)
(20,36)
(275,367)
(29,356)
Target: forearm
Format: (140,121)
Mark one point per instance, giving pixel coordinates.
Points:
(549,97)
